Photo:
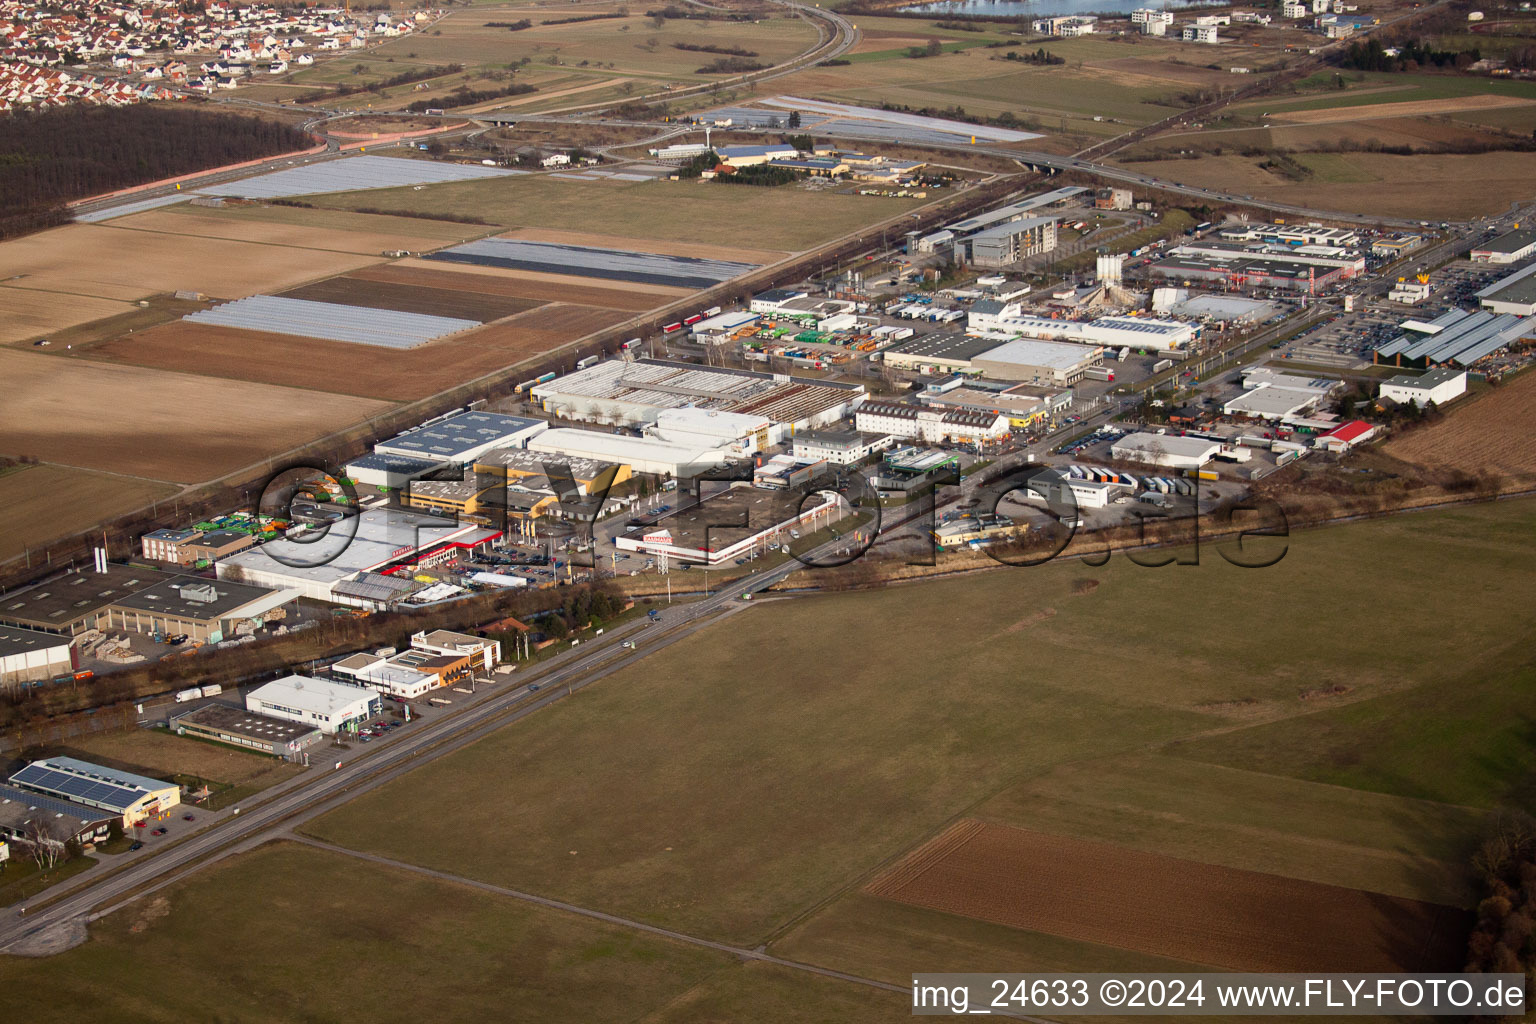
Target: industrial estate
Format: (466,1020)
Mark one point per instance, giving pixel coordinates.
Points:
(554,511)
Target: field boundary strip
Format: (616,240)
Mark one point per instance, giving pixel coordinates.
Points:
(923,859)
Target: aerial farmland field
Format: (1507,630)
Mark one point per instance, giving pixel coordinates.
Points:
(699,212)
(177,427)
(733,807)
(43,503)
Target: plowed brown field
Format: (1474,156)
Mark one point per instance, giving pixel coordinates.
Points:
(535,291)
(598,241)
(1492,431)
(413,298)
(164,426)
(1201,913)
(555,287)
(348,369)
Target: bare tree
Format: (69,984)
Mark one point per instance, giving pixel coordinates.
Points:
(45,846)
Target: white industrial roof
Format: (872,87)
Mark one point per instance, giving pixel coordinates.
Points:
(1171,444)
(373,538)
(1030,352)
(1271,400)
(316,696)
(623,448)
(711,421)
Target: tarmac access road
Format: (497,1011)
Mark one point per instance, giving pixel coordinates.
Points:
(27,928)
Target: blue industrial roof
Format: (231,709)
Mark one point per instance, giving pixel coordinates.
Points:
(51,805)
(89,783)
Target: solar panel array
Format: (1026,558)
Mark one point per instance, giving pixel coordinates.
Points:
(42,803)
(125,209)
(1474,345)
(352,174)
(1464,338)
(915,124)
(1421,348)
(363,325)
(75,787)
(582,261)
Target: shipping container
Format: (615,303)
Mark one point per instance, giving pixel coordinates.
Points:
(212,691)
(1101,373)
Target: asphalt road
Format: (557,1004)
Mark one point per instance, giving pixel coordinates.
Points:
(364,769)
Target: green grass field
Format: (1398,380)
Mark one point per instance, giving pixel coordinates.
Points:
(297,934)
(620,46)
(699,792)
(1373,88)
(787,218)
(1348,715)
(1121,83)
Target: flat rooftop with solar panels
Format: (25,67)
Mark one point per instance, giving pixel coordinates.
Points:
(109,789)
(330,321)
(18,807)
(584,261)
(462,437)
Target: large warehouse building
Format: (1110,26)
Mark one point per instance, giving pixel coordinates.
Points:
(236,727)
(694,532)
(740,434)
(1165,450)
(32,656)
(1009,242)
(941,353)
(449,441)
(898,419)
(634,393)
(144,600)
(133,798)
(462,437)
(1510,247)
(376,540)
(1029,361)
(640,454)
(1249,272)
(208,610)
(1514,294)
(1006,320)
(1324,257)
(1437,386)
(322,704)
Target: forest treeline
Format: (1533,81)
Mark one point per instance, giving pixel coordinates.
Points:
(49,158)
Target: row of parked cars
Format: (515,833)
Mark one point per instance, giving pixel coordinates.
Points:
(369,733)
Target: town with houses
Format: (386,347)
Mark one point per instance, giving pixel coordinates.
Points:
(114,54)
